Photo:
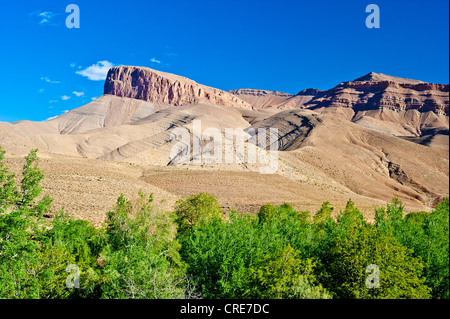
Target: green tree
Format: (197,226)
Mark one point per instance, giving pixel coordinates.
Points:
(30,265)
(324,213)
(282,275)
(31,178)
(9,193)
(141,259)
(266,213)
(221,255)
(436,252)
(427,235)
(30,188)
(359,245)
(196,210)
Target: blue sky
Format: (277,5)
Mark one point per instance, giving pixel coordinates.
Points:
(274,45)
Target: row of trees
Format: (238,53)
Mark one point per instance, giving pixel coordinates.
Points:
(282,253)
(198,251)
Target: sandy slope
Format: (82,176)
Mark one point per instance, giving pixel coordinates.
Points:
(89,188)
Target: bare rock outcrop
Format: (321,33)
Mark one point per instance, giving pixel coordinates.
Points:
(375,91)
(165,89)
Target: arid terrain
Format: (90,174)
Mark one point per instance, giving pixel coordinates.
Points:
(367,139)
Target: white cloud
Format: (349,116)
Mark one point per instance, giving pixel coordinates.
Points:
(155,61)
(46,79)
(47,14)
(65,97)
(44,17)
(53,101)
(72,65)
(78,94)
(96,72)
(93,98)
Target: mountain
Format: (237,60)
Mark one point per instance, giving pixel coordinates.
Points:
(164,88)
(368,162)
(365,139)
(393,105)
(375,91)
(397,106)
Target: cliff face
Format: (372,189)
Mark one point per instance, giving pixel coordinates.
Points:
(164,88)
(375,91)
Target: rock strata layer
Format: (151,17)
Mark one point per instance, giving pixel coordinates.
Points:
(165,89)
(376,91)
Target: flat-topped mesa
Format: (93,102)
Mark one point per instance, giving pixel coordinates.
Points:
(164,88)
